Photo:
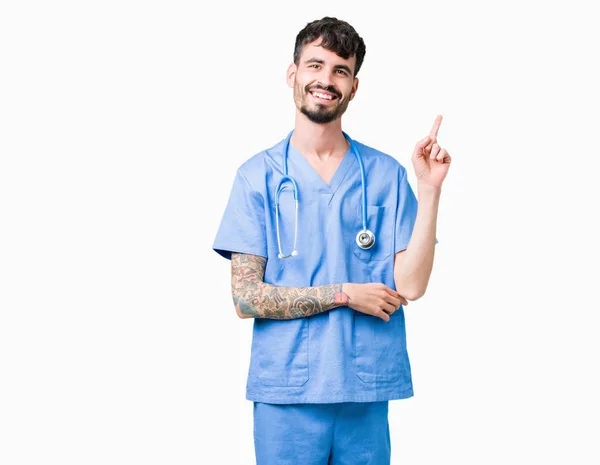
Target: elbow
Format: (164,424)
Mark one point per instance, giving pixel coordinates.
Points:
(242,309)
(412,294)
(410,289)
(241,314)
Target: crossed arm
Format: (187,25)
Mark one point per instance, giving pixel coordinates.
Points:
(254,298)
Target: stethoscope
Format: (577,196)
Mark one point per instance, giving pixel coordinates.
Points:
(365,239)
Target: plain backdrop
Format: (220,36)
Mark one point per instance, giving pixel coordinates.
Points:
(121,126)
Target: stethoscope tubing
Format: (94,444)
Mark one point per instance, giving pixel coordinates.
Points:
(286,177)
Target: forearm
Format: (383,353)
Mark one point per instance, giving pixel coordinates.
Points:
(412,273)
(286,303)
(254,298)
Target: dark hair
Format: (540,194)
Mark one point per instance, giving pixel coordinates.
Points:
(337,36)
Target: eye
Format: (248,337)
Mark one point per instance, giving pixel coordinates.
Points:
(314,65)
(342,72)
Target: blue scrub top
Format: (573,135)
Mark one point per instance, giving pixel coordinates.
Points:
(340,355)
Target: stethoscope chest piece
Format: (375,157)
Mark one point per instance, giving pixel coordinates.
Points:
(365,239)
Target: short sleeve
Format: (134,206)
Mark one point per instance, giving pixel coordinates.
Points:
(406,215)
(242,227)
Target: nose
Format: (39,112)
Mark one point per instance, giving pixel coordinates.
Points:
(325,77)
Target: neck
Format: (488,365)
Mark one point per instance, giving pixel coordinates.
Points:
(322,140)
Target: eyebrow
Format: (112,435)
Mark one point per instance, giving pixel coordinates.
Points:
(321,62)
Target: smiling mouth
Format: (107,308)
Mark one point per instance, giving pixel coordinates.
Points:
(322,96)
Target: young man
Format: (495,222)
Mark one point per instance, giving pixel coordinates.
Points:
(326,278)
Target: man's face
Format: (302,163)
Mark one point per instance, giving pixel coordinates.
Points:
(323,83)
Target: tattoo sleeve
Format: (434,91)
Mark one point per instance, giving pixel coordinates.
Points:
(254,298)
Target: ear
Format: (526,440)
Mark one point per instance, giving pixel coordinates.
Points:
(291,75)
(354,88)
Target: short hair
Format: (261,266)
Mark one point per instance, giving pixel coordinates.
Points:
(336,35)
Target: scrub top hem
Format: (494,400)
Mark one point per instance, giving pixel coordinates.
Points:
(226,249)
(270,398)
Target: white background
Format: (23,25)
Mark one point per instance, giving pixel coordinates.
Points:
(122,125)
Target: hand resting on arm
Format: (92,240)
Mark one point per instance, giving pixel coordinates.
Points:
(253,298)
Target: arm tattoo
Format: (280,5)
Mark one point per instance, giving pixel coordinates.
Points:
(255,298)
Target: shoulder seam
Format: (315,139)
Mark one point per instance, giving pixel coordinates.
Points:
(246,179)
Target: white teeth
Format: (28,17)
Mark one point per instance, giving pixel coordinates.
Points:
(320,95)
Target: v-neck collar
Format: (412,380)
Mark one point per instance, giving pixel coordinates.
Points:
(314,178)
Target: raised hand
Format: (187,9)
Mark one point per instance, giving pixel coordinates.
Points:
(431,162)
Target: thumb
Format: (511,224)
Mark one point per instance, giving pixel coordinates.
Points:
(420,146)
(423,142)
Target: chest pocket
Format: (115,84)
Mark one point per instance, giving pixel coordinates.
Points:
(381,222)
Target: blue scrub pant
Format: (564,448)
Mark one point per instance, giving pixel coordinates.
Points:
(349,433)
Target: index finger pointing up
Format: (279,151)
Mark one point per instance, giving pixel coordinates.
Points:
(436,126)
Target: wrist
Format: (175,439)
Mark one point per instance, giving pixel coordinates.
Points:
(427,190)
(342,298)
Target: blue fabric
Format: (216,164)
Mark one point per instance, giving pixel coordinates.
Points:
(340,355)
(345,433)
